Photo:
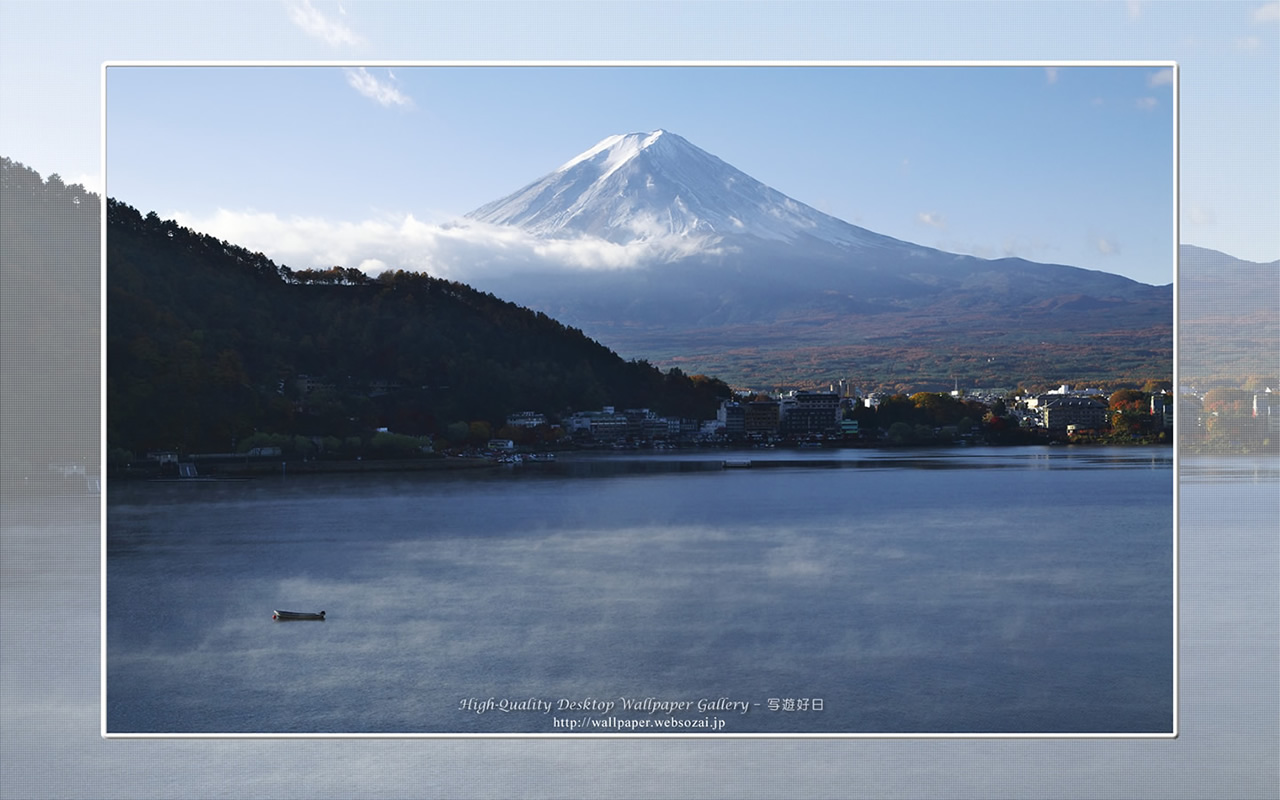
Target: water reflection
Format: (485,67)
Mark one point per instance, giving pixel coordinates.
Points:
(911,592)
(1230,469)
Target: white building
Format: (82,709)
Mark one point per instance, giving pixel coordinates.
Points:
(526,419)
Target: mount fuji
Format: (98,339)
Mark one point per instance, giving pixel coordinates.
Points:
(729,276)
(645,186)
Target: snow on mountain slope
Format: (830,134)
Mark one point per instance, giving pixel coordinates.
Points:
(648,186)
(726,275)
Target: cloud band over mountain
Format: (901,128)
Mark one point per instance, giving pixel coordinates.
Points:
(463,250)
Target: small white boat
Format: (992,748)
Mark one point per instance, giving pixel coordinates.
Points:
(285,616)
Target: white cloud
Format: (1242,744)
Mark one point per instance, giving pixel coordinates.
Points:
(1135,9)
(382,93)
(460,250)
(1107,246)
(931,218)
(1146,103)
(1163,77)
(92,182)
(1267,12)
(1198,215)
(314,23)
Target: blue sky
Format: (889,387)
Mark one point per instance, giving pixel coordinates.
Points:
(900,155)
(1071,164)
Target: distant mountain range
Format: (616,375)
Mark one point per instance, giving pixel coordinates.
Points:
(762,290)
(1229,319)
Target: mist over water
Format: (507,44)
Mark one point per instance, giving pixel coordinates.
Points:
(1024,590)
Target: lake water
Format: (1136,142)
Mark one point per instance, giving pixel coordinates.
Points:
(1011,590)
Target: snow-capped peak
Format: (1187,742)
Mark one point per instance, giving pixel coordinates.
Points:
(616,150)
(645,186)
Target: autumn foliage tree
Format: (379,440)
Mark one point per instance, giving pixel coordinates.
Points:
(1129,411)
(1229,423)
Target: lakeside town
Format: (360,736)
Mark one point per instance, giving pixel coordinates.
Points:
(1219,420)
(837,417)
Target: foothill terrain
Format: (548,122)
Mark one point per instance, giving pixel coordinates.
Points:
(239,359)
(217,350)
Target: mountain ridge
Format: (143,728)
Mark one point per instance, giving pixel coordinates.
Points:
(1227,314)
(761,271)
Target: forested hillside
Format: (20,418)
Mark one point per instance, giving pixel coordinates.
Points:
(208,343)
(49,309)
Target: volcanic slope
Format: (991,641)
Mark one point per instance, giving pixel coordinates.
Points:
(734,278)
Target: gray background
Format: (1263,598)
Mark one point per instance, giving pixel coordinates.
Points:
(49,650)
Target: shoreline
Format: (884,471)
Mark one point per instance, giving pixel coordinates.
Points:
(228,471)
(275,467)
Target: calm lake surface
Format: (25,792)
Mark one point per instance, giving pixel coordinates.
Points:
(919,591)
